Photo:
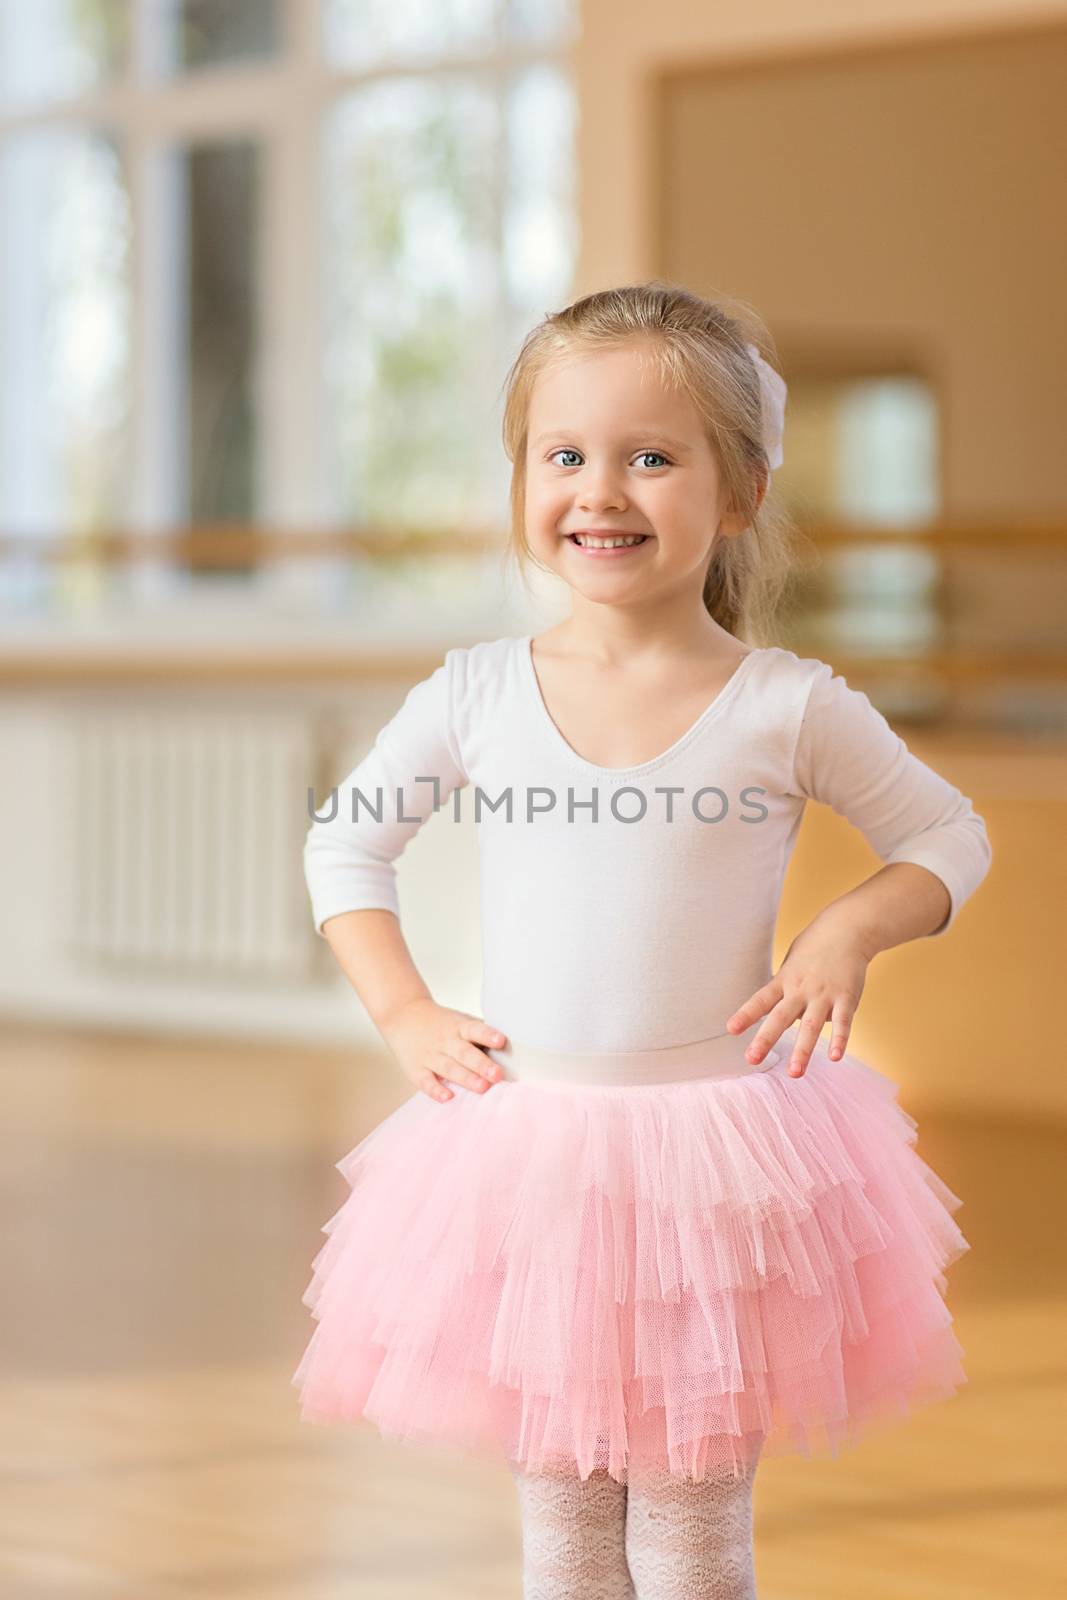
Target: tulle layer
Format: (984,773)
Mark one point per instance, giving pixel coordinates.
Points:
(581,1278)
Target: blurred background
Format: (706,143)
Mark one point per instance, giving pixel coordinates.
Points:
(263,267)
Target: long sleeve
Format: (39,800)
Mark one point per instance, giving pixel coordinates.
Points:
(848,757)
(411,769)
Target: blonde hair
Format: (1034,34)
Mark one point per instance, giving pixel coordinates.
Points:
(698,345)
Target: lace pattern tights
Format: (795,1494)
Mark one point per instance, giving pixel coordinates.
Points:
(653,1538)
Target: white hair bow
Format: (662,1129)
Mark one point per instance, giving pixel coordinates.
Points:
(772,405)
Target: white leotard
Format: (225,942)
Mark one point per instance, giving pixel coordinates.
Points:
(611,933)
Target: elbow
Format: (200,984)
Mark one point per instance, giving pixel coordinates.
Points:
(973,865)
(314,854)
(340,876)
(971,847)
(974,858)
(983,849)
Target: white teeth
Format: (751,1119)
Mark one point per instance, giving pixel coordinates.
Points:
(608,544)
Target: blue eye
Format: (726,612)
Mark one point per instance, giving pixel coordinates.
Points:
(566,451)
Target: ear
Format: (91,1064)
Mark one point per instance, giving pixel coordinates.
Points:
(733,522)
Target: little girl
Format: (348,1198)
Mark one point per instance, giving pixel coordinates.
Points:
(632,1232)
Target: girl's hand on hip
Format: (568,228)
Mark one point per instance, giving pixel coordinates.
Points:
(433,1043)
(820,980)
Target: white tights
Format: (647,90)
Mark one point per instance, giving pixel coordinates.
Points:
(652,1538)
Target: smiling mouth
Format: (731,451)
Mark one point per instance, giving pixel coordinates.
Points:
(608,546)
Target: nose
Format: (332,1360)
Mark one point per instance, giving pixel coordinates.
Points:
(599,491)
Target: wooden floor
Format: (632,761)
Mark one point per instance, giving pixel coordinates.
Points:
(161,1205)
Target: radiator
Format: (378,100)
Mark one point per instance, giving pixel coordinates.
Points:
(187,826)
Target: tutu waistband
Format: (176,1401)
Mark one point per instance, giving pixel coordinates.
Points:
(720,1056)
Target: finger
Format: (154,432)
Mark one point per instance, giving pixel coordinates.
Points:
(840,1027)
(446,1070)
(755,1006)
(783,1014)
(807,1034)
(431,1084)
(457,1070)
(480,1032)
(482,1069)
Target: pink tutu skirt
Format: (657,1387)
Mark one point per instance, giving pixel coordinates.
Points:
(671,1258)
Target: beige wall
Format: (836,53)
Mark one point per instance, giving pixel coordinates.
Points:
(898,205)
(625,44)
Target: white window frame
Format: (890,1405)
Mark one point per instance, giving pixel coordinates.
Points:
(283,103)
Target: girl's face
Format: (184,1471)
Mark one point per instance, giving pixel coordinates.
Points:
(611,451)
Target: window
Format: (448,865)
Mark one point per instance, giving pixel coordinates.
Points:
(66,321)
(863,450)
(269,262)
(863,453)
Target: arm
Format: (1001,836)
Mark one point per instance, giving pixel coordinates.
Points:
(374,956)
(934,847)
(412,768)
(848,757)
(415,760)
(899,902)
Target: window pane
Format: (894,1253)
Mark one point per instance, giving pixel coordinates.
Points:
(887,462)
(543,21)
(540,227)
(207,33)
(221,293)
(862,450)
(51,49)
(449,230)
(64,333)
(412,301)
(540,238)
(363,33)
